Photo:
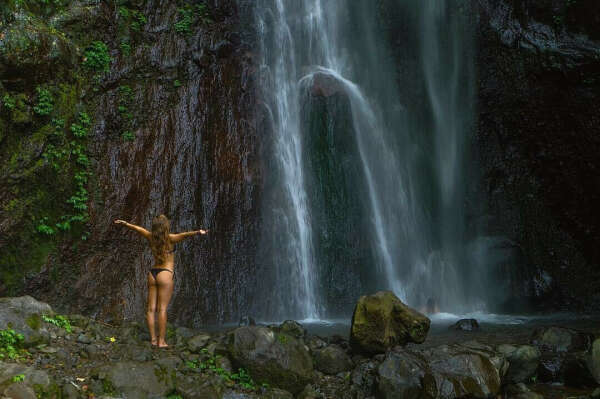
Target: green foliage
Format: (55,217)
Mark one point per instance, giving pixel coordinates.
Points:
(240,377)
(45,104)
(176,83)
(11,344)
(136,19)
(174,395)
(558,20)
(97,57)
(125,48)
(189,14)
(80,129)
(282,338)
(58,321)
(8,101)
(127,136)
(184,21)
(43,228)
(18,378)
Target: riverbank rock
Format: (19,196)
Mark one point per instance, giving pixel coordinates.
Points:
(23,314)
(332,360)
(276,358)
(381,321)
(594,360)
(447,371)
(523,361)
(561,339)
(137,379)
(465,325)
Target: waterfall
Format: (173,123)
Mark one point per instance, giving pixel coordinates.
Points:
(366,184)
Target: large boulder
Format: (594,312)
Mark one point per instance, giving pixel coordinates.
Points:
(278,359)
(31,375)
(332,360)
(447,371)
(23,314)
(523,360)
(594,360)
(137,379)
(381,321)
(561,339)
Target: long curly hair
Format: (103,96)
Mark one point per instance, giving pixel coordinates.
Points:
(160,243)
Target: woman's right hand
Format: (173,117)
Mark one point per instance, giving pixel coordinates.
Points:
(202,231)
(119,221)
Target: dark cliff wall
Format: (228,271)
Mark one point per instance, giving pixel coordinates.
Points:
(538,141)
(172,130)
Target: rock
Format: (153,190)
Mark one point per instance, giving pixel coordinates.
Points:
(575,371)
(184,332)
(309,392)
(594,360)
(560,339)
(32,375)
(549,367)
(224,363)
(465,325)
(278,359)
(596,393)
(293,328)
(316,343)
(246,321)
(381,321)
(137,379)
(196,343)
(523,362)
(332,360)
(23,314)
(363,376)
(444,371)
(324,84)
(275,393)
(84,339)
(20,391)
(200,387)
(521,391)
(402,375)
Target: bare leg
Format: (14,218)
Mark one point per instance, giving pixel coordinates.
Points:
(151,307)
(165,290)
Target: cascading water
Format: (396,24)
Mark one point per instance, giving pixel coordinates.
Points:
(367,190)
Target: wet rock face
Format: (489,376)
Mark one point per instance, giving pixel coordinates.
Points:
(381,321)
(24,314)
(193,156)
(537,146)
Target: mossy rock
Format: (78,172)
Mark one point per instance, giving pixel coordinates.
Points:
(21,112)
(381,321)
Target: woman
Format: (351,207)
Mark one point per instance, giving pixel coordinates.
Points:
(160,285)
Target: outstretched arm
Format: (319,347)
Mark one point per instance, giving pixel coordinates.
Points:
(142,231)
(180,236)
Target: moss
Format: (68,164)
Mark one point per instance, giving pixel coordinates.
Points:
(20,113)
(34,321)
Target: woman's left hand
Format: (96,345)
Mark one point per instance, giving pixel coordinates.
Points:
(119,221)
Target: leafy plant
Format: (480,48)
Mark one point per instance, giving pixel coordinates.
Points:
(125,48)
(184,21)
(176,83)
(43,228)
(58,321)
(18,378)
(80,129)
(97,57)
(240,377)
(11,344)
(8,101)
(45,103)
(127,136)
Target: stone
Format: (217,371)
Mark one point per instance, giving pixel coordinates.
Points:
(200,387)
(197,342)
(20,390)
(561,339)
(32,375)
(278,359)
(465,325)
(445,371)
(84,339)
(550,366)
(293,328)
(23,314)
(594,360)
(575,371)
(363,376)
(332,360)
(137,379)
(381,321)
(523,362)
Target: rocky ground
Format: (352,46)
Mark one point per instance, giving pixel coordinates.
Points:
(87,358)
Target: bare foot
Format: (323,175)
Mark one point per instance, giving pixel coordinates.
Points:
(163,345)
(154,342)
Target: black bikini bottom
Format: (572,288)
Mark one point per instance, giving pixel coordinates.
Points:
(155,270)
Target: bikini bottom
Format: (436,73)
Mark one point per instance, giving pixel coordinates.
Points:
(155,270)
